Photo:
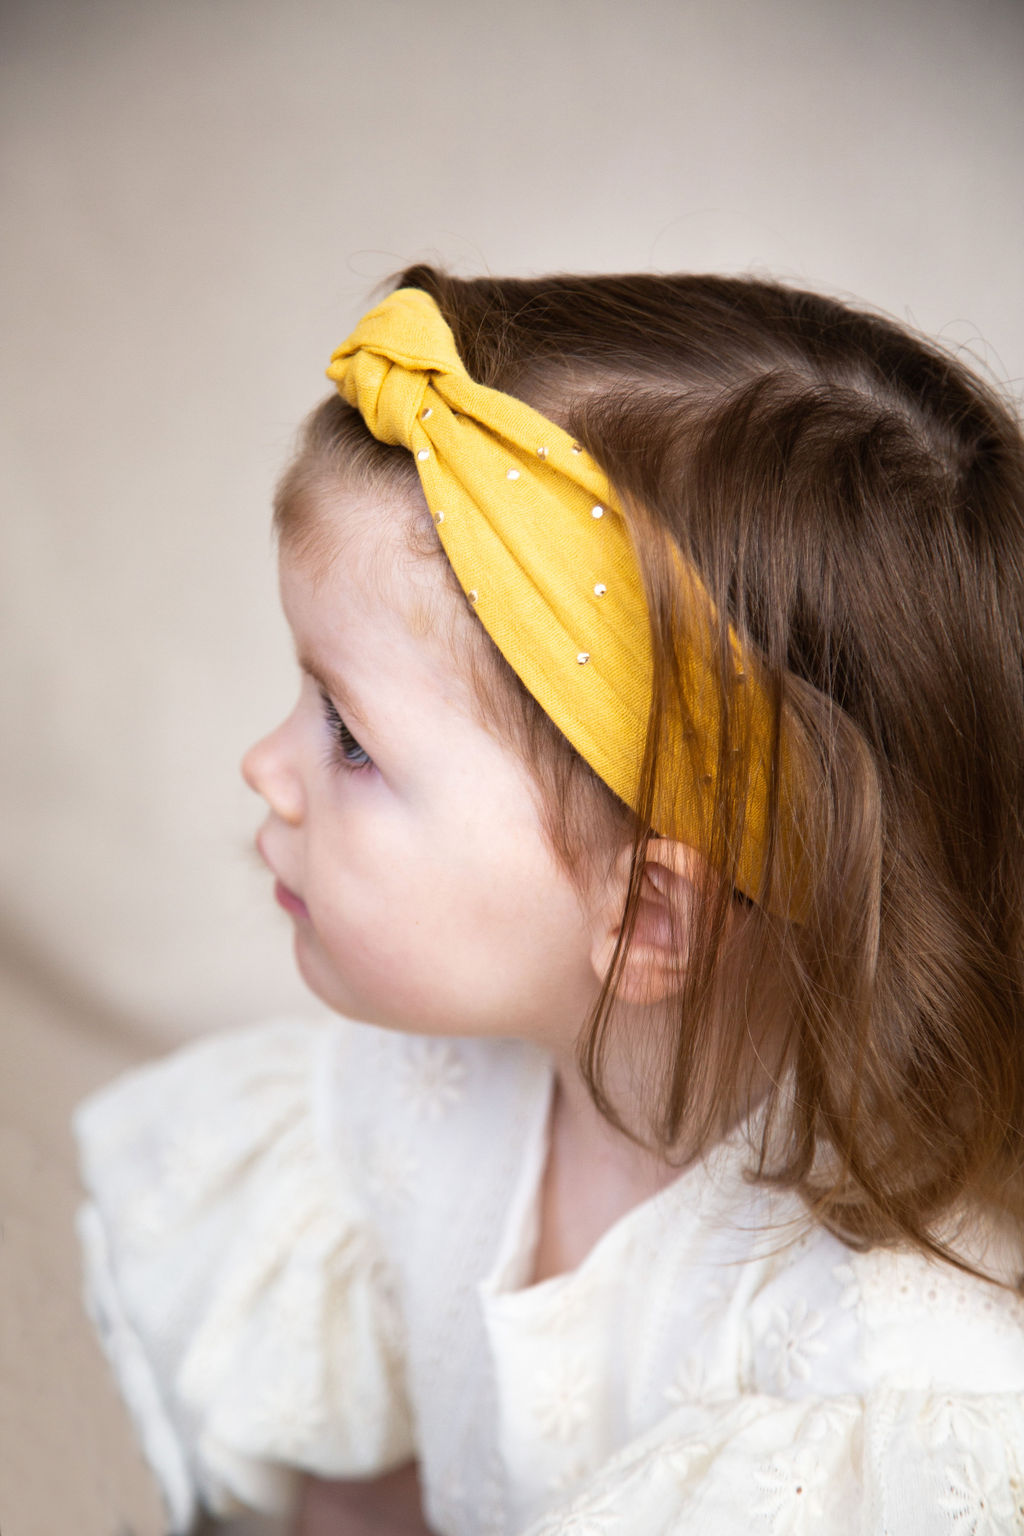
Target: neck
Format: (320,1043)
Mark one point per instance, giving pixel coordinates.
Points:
(640,1043)
(593,1176)
(577,1121)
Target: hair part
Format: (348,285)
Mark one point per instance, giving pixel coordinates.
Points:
(853,501)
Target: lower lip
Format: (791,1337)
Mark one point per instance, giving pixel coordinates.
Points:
(288,899)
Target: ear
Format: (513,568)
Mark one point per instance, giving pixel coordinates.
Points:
(655,962)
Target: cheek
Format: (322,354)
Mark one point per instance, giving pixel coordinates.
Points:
(459,921)
(370,890)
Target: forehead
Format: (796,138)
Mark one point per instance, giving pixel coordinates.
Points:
(358,559)
(378,537)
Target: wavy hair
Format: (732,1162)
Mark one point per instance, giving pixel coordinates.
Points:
(853,499)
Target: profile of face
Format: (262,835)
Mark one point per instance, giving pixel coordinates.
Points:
(406,840)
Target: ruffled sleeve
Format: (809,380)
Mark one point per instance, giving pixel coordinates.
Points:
(238,1290)
(893,1463)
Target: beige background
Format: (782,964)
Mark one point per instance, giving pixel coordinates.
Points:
(198,197)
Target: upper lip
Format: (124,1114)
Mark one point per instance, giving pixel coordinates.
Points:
(268,861)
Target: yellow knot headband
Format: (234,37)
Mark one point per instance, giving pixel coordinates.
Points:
(528,523)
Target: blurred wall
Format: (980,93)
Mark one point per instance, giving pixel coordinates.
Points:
(198,195)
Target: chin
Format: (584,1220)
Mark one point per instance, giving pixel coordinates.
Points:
(312,973)
(324,982)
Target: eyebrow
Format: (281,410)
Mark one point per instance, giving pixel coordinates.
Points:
(334,687)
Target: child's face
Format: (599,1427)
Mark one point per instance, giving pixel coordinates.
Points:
(405,839)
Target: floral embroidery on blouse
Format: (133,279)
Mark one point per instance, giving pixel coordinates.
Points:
(793,1342)
(790,1491)
(689,1383)
(564,1399)
(951,1418)
(432,1077)
(976,1502)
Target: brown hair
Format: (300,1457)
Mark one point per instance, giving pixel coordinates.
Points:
(853,500)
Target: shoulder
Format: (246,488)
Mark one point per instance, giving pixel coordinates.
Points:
(239,1290)
(824,1318)
(926,1324)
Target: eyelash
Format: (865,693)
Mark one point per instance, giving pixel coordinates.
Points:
(346,751)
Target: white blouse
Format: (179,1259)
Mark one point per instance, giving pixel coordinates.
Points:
(307,1248)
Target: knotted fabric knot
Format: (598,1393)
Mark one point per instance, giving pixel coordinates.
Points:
(387,383)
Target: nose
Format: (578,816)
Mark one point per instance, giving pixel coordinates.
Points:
(268,768)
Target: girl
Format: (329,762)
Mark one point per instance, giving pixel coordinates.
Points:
(655,796)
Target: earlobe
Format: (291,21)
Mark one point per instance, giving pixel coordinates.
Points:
(654,964)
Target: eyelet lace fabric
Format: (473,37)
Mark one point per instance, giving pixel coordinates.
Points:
(307,1247)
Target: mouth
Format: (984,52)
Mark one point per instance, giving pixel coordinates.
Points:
(288,899)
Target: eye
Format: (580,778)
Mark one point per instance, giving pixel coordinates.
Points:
(346,751)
